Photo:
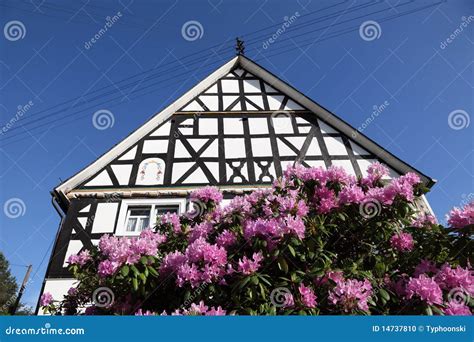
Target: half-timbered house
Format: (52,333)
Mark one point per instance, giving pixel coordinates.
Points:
(237,129)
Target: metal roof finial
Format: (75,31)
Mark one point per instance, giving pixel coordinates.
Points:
(239,47)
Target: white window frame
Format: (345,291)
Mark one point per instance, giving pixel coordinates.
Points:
(121,229)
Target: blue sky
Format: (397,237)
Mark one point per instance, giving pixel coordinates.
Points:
(424,82)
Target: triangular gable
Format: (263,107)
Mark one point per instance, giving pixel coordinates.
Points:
(266,126)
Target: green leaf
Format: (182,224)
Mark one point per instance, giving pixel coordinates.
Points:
(135,283)
(125,270)
(384,294)
(144,260)
(152,271)
(142,277)
(135,270)
(282,264)
(292,250)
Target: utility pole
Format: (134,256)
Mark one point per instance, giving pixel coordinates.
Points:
(14,307)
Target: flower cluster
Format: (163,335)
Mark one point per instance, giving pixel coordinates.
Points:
(351,294)
(424,288)
(79,259)
(402,242)
(459,218)
(248,266)
(207,194)
(308,298)
(119,251)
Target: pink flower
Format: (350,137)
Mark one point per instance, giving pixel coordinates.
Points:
(200,230)
(402,242)
(140,312)
(250,266)
(207,194)
(351,194)
(450,278)
(425,266)
(425,288)
(326,198)
(46,299)
(80,259)
(424,220)
(459,218)
(173,220)
(107,268)
(198,310)
(226,239)
(454,308)
(308,298)
(72,291)
(351,294)
(289,301)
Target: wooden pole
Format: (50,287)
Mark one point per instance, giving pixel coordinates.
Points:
(14,307)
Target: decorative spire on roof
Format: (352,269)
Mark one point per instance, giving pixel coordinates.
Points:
(239,46)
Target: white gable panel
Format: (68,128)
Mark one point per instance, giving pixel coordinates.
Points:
(258,125)
(82,221)
(316,163)
(73,247)
(104,219)
(257,99)
(179,169)
(230,86)
(100,180)
(197,176)
(314,149)
(196,144)
(282,124)
(213,168)
(284,150)
(297,142)
(122,172)
(292,105)
(180,151)
(346,165)
(151,172)
(326,128)
(163,131)
(193,106)
(212,89)
(228,100)
(358,151)
(237,107)
(250,106)
(270,89)
(212,150)
(304,129)
(211,101)
(261,147)
(274,101)
(233,126)
(239,71)
(335,146)
(207,126)
(155,146)
(252,86)
(234,148)
(130,155)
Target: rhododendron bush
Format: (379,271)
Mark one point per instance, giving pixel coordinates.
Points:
(318,242)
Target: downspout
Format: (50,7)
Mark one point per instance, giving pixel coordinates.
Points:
(62,215)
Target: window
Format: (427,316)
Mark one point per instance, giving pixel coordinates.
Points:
(137,215)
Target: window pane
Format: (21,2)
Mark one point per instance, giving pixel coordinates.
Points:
(144,223)
(163,209)
(131,224)
(140,211)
